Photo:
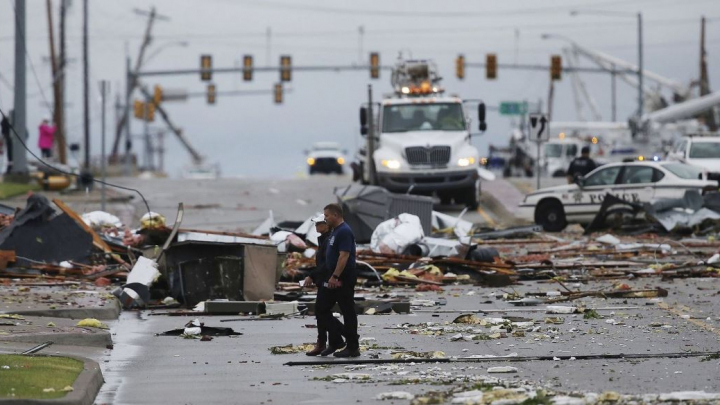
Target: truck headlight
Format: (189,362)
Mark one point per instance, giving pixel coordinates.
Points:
(341,161)
(311,161)
(391,164)
(463,162)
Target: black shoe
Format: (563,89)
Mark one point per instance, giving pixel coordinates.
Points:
(331,349)
(347,352)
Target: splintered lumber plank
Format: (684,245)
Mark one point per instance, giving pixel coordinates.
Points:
(97,241)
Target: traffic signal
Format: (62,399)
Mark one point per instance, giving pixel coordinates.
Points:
(285,63)
(247,67)
(374,65)
(211,93)
(150,112)
(460,67)
(206,63)
(278,93)
(555,67)
(491,66)
(157,94)
(139,109)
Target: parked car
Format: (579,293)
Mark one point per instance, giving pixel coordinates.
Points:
(637,182)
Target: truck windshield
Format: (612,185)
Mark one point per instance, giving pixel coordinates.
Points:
(705,150)
(423,117)
(553,150)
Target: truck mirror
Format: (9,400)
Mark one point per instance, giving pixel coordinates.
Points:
(481,117)
(363,121)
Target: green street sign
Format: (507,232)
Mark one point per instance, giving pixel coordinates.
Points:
(513,108)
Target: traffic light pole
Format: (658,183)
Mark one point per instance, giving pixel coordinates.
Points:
(321,68)
(545,68)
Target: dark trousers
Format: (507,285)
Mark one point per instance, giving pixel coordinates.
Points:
(321,302)
(345,298)
(46,153)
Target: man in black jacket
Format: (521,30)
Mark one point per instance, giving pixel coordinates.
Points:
(319,277)
(581,166)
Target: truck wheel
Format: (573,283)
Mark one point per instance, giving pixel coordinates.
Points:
(469,197)
(551,216)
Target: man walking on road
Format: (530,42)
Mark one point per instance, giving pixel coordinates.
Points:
(319,277)
(340,258)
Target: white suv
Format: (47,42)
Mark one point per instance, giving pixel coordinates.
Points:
(700,151)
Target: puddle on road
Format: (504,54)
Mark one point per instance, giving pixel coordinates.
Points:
(126,346)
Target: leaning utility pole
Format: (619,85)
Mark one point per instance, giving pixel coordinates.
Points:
(57,95)
(197,158)
(86,89)
(131,84)
(19,167)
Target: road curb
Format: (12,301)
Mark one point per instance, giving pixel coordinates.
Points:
(101,339)
(110,312)
(497,208)
(85,388)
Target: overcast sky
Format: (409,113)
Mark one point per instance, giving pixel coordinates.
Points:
(250,136)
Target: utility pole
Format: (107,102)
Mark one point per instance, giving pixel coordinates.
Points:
(268,46)
(86,89)
(370,139)
(161,151)
(60,103)
(57,95)
(19,119)
(710,118)
(129,83)
(146,137)
(103,159)
(641,97)
(361,40)
(613,92)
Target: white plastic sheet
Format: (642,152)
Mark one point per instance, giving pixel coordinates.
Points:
(394,235)
(99,219)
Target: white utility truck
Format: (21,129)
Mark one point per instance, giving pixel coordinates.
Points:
(419,141)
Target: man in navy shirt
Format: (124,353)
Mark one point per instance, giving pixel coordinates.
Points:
(340,260)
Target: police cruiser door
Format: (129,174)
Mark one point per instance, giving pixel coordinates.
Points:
(586,200)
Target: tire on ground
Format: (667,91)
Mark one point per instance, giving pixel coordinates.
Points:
(550,214)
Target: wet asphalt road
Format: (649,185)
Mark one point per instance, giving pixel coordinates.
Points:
(242,204)
(144,368)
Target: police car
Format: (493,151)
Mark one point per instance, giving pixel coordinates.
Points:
(637,182)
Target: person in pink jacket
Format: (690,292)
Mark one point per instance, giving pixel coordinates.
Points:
(46,139)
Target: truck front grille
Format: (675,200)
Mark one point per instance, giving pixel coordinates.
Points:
(436,155)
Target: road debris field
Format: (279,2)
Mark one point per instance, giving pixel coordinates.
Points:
(462,313)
